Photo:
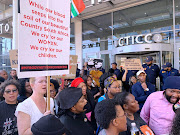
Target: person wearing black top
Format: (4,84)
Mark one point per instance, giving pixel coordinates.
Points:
(129,79)
(130,107)
(8,121)
(73,117)
(26,90)
(94,90)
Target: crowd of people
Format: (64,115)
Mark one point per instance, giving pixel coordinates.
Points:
(95,102)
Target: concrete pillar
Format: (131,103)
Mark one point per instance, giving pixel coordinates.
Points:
(15,25)
(78,41)
(105,57)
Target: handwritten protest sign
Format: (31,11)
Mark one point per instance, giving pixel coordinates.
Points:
(133,64)
(44,38)
(13,54)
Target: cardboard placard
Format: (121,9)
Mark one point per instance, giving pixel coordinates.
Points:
(44,38)
(13,55)
(133,64)
(72,69)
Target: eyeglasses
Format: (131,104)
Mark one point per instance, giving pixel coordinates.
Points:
(9,91)
(120,87)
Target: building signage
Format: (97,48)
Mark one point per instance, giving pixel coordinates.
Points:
(91,45)
(93,1)
(4,27)
(139,39)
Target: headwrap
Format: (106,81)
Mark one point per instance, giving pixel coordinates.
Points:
(108,81)
(76,82)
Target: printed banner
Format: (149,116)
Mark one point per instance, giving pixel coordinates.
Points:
(44,38)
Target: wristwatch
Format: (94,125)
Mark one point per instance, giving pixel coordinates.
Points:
(147,89)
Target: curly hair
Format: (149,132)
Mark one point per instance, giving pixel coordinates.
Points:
(22,82)
(9,82)
(105,111)
(56,84)
(121,98)
(176,124)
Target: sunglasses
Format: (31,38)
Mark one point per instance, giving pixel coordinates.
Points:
(9,91)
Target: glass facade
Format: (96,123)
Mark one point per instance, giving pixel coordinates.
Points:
(101,33)
(5,46)
(72,40)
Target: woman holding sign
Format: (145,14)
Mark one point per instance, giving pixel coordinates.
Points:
(32,109)
(130,107)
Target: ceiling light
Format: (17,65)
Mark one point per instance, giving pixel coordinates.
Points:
(145,13)
(3,64)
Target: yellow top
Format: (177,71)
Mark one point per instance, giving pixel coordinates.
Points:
(96,74)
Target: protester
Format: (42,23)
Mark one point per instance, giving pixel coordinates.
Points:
(77,71)
(8,121)
(142,89)
(130,107)
(158,108)
(4,74)
(33,108)
(128,79)
(132,81)
(67,83)
(103,77)
(176,124)
(112,86)
(94,90)
(111,117)
(48,125)
(54,86)
(116,71)
(1,81)
(167,71)
(151,69)
(79,83)
(96,74)
(13,74)
(72,101)
(102,70)
(26,90)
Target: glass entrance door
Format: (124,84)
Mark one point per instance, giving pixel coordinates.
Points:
(155,56)
(107,60)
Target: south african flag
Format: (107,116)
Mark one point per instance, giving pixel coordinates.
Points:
(77,6)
